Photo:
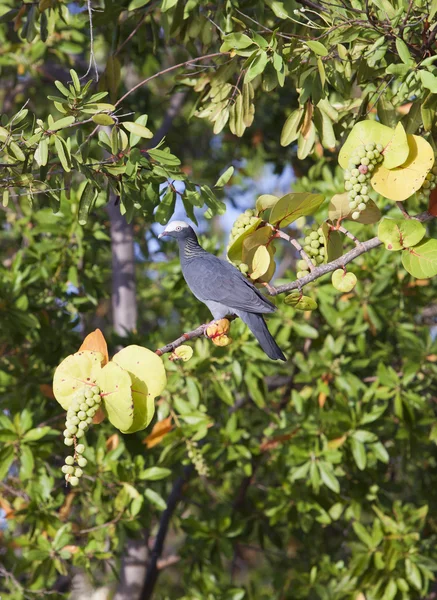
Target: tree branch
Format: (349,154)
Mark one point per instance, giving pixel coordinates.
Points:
(172,502)
(298,284)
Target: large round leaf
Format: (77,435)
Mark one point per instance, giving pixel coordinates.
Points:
(400,183)
(394,142)
(400,233)
(294,205)
(149,379)
(75,372)
(115,385)
(339,209)
(421,261)
(251,244)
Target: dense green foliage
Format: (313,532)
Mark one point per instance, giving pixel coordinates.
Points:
(313,479)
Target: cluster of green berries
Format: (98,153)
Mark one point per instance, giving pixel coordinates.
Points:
(79,417)
(357,176)
(428,185)
(196,457)
(314,247)
(240,225)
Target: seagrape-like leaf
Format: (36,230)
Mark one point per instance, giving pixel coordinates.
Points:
(147,372)
(400,183)
(343,281)
(394,142)
(115,385)
(236,249)
(294,205)
(400,233)
(265,201)
(421,261)
(333,243)
(96,342)
(300,302)
(75,372)
(184,352)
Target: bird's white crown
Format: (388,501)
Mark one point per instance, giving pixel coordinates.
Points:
(176,226)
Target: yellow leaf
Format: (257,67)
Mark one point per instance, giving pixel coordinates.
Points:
(260,262)
(183,353)
(400,183)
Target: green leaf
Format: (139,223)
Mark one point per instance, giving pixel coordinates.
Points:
(115,384)
(294,205)
(133,138)
(147,373)
(397,150)
(63,153)
(86,202)
(429,81)
(404,53)
(390,591)
(306,331)
(290,130)
(155,499)
(300,302)
(138,130)
(317,47)
(256,67)
(362,533)
(328,477)
(6,459)
(260,262)
(155,473)
(413,574)
(103,119)
(165,158)
(333,243)
(236,41)
(421,261)
(359,453)
(75,80)
(64,122)
(42,152)
(74,372)
(134,4)
(61,87)
(27,462)
(277,8)
(400,233)
(236,249)
(166,207)
(225,177)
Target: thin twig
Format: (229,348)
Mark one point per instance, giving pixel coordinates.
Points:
(103,525)
(92,61)
(168,70)
(131,35)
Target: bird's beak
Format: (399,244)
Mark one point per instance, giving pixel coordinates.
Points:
(163,234)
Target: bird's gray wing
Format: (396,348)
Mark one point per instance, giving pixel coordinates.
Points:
(213,279)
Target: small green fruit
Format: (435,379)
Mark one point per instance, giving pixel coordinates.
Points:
(80,448)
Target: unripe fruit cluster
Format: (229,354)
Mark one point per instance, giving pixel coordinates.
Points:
(80,415)
(314,246)
(241,224)
(196,457)
(428,185)
(357,175)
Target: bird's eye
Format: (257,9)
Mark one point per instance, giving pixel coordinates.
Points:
(178,228)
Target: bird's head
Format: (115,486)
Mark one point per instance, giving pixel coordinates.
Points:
(178,230)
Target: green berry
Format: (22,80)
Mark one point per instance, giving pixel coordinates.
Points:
(433,185)
(69,460)
(301,274)
(370,155)
(357,188)
(362,178)
(97,399)
(365,197)
(307,249)
(370,167)
(74,481)
(355,215)
(249,212)
(301,265)
(89,394)
(320,231)
(68,441)
(82,461)
(67,469)
(80,448)
(364,189)
(370,147)
(426,192)
(361,206)
(80,433)
(379,147)
(322,251)
(83,425)
(426,184)
(319,259)
(314,263)
(308,239)
(348,186)
(84,406)
(78,472)
(82,414)
(90,402)
(243,268)
(314,235)
(365,161)
(321,240)
(353,180)
(315,244)
(67,434)
(95,389)
(89,420)
(74,420)
(434,170)
(355,173)
(361,151)
(72,429)
(352,194)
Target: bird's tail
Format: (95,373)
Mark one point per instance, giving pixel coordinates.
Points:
(259,329)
